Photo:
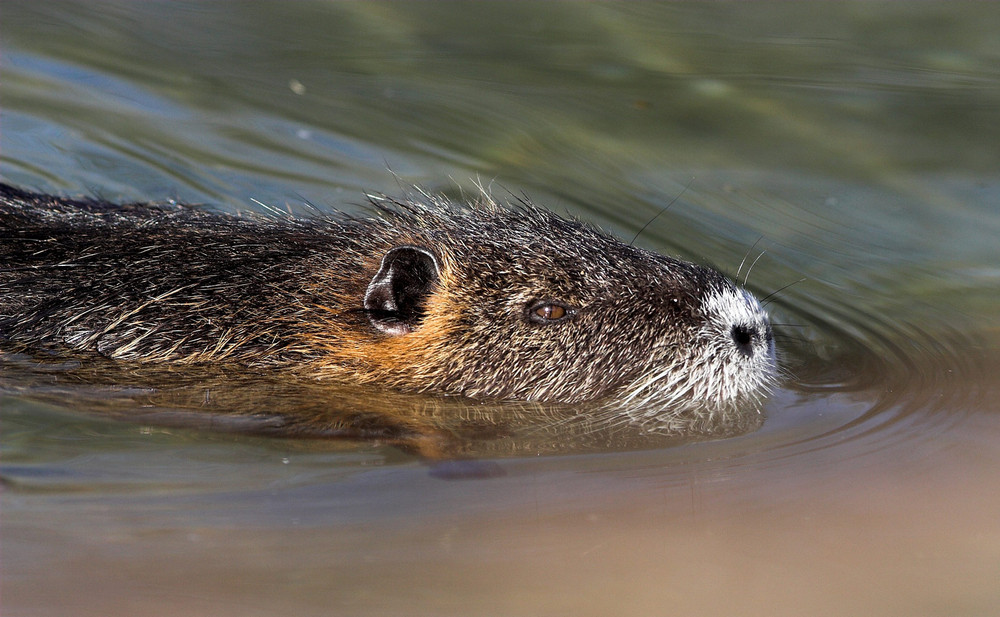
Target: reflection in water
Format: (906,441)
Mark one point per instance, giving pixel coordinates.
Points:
(233,399)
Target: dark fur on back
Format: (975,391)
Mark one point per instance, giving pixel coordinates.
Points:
(189,283)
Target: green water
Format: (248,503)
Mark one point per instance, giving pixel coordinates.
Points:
(855,143)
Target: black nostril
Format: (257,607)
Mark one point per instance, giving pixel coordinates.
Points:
(743,337)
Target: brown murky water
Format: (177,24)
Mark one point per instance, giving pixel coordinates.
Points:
(854,143)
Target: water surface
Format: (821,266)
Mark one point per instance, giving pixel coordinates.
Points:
(855,144)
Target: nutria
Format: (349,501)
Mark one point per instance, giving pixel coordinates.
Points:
(420,294)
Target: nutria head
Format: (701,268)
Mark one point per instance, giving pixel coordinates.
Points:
(500,303)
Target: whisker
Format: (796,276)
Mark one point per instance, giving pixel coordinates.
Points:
(745,255)
(790,338)
(665,208)
(750,269)
(768,297)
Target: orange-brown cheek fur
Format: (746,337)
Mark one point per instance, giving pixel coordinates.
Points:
(352,350)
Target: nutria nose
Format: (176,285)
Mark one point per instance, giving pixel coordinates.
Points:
(744,335)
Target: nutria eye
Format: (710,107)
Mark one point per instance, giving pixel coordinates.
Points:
(548,312)
(551,311)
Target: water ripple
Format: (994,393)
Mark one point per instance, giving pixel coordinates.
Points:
(899,382)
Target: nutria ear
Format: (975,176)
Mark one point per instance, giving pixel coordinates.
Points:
(398,292)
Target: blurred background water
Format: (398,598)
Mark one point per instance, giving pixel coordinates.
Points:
(855,143)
